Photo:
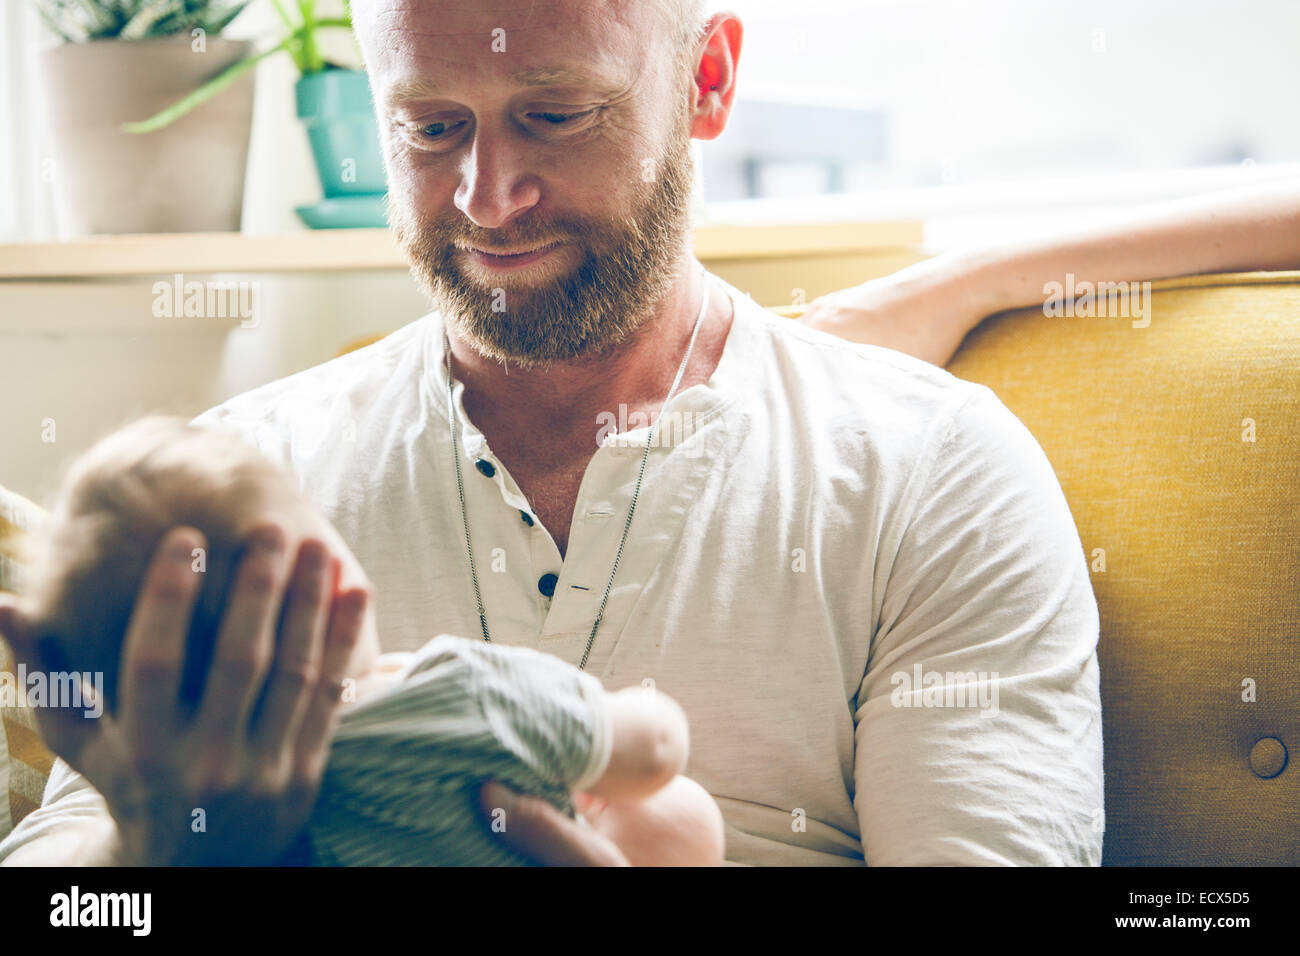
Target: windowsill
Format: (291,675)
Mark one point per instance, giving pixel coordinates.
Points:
(882,223)
(963,214)
(353,250)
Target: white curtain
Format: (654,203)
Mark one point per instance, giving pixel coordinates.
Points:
(26,167)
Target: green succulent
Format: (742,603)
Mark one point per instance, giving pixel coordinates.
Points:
(79,21)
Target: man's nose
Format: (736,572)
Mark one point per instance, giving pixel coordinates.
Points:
(496,185)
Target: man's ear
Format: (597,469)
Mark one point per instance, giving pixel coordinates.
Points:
(715,75)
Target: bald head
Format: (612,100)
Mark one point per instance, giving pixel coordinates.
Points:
(677,25)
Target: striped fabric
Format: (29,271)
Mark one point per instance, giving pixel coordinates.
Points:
(400,787)
(25,761)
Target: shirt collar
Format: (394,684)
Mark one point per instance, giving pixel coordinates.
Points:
(731,378)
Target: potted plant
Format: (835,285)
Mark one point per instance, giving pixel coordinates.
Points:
(334,104)
(120,59)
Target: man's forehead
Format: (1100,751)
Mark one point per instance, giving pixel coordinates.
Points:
(450,30)
(541,43)
(588,78)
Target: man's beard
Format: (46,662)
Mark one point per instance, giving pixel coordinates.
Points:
(629,265)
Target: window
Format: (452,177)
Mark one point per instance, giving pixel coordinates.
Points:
(897,101)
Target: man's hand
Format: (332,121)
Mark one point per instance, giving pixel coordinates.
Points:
(234,780)
(536,830)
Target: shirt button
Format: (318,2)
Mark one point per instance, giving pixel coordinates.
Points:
(485,467)
(546,583)
(527,518)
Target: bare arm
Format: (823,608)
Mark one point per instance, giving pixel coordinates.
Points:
(927,308)
(1238,230)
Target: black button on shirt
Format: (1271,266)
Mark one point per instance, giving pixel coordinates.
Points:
(546,583)
(526,518)
(485,467)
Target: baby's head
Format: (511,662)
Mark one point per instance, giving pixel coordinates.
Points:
(116,504)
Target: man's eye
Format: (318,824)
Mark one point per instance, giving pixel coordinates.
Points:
(436,130)
(559,119)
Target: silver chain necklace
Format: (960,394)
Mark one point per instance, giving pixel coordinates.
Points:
(645,455)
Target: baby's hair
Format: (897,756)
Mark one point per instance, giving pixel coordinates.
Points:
(115,505)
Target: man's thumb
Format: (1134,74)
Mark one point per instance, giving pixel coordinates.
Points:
(540,832)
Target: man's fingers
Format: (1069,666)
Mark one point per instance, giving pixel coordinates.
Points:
(538,831)
(347,615)
(153,652)
(245,639)
(298,653)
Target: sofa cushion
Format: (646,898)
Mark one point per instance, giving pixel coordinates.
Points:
(1177,445)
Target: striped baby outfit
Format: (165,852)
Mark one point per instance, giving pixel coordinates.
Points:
(400,788)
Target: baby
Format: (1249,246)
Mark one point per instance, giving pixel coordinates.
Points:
(418,733)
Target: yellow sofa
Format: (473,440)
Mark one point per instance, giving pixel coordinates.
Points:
(1178,446)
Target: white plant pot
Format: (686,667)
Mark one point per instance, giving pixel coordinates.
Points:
(185,177)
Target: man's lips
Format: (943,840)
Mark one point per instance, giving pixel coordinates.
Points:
(515,251)
(506,259)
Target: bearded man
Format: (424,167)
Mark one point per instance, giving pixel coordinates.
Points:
(856,573)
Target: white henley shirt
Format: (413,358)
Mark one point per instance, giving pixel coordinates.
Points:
(856,573)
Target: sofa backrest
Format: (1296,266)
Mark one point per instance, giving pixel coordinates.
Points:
(1177,443)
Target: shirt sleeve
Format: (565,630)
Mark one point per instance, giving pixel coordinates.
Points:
(261,433)
(70,811)
(978,720)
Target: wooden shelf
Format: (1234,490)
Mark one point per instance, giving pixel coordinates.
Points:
(344,250)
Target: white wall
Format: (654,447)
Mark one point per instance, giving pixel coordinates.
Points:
(90,355)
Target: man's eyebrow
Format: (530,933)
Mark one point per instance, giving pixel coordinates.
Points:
(424,89)
(563,76)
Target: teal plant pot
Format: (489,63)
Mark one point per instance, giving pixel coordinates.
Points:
(336,108)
